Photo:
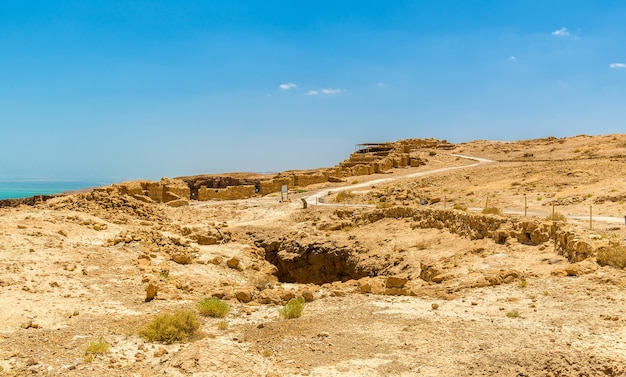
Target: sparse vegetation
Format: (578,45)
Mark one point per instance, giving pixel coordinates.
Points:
(343,196)
(612,255)
(355,182)
(556,216)
(96,348)
(170,328)
(491,211)
(522,284)
(459,207)
(266,353)
(432,153)
(222,325)
(293,309)
(213,307)
(513,314)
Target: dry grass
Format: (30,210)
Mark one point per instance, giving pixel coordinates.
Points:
(556,216)
(343,196)
(170,328)
(96,348)
(491,211)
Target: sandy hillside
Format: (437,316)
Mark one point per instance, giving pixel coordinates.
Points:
(402,273)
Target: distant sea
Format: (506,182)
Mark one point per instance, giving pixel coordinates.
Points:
(10,189)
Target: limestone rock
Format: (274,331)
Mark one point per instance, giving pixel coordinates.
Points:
(396,282)
(244,294)
(151,291)
(234,263)
(577,269)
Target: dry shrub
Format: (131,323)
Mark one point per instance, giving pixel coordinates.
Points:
(612,255)
(491,211)
(96,348)
(170,328)
(343,196)
(556,216)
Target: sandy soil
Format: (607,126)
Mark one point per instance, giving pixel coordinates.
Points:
(75,271)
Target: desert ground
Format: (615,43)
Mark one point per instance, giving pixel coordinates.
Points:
(402,272)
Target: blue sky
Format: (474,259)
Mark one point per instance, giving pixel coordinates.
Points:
(146,89)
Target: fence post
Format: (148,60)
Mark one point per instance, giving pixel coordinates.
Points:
(525,205)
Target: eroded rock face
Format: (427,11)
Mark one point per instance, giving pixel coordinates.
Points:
(316,262)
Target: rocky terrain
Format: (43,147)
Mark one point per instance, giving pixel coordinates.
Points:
(429,263)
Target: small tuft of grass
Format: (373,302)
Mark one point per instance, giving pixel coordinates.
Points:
(293,309)
(266,353)
(170,328)
(491,211)
(522,284)
(432,153)
(343,196)
(99,347)
(513,314)
(222,325)
(213,307)
(556,216)
(355,182)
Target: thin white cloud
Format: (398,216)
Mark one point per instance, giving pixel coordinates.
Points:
(326,91)
(617,65)
(562,32)
(332,91)
(512,58)
(287,86)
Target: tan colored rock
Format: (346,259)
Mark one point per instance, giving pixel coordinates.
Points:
(396,282)
(244,294)
(577,269)
(269,296)
(441,277)
(182,257)
(151,291)
(234,263)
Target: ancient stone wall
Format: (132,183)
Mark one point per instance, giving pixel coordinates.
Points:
(302,180)
(174,192)
(575,245)
(228,193)
(274,185)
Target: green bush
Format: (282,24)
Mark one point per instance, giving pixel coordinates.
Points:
(213,307)
(293,309)
(170,328)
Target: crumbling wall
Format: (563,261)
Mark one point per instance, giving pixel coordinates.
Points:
(274,185)
(173,192)
(309,179)
(575,245)
(228,193)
